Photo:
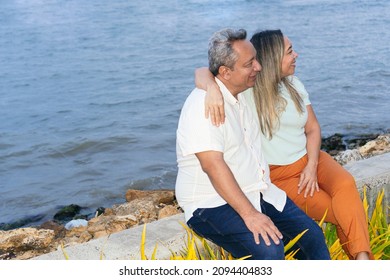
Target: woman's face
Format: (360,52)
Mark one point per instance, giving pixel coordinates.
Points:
(289,58)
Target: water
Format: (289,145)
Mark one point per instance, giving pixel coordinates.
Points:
(91,91)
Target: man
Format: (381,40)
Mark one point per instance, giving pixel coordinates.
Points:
(223,180)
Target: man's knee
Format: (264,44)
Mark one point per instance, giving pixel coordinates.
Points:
(272,252)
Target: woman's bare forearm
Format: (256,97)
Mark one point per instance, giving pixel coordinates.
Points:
(204,78)
(214,104)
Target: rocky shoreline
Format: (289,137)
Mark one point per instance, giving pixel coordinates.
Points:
(143,207)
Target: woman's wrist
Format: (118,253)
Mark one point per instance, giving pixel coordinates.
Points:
(312,163)
(212,86)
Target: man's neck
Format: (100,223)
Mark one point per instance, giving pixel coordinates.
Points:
(233,90)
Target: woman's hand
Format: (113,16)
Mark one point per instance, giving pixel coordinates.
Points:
(308,180)
(213,103)
(214,107)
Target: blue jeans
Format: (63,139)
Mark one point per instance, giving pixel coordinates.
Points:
(225,228)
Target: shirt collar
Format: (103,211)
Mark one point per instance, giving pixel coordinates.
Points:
(228,96)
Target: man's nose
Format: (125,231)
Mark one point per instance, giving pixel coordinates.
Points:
(257,66)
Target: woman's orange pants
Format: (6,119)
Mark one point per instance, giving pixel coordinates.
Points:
(338,194)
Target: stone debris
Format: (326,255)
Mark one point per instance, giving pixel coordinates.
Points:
(141,207)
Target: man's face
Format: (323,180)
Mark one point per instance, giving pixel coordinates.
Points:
(243,74)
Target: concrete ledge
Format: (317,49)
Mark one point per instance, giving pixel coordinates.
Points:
(374,173)
(170,235)
(167,233)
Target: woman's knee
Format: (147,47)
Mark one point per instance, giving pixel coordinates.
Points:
(345,186)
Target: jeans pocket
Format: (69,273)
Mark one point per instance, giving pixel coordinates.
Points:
(198,213)
(207,220)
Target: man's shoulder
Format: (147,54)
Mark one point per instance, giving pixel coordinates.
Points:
(195,97)
(197,92)
(194,102)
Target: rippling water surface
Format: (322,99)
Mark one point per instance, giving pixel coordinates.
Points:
(90,91)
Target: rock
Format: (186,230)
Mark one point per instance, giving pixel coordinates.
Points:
(337,143)
(371,148)
(168,211)
(143,210)
(333,144)
(356,148)
(99,211)
(358,141)
(24,239)
(76,235)
(7,256)
(67,213)
(348,156)
(105,225)
(377,146)
(21,222)
(157,196)
(59,229)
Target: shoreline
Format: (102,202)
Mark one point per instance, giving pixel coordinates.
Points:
(141,207)
(334,145)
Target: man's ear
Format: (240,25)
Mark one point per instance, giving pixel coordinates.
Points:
(225,72)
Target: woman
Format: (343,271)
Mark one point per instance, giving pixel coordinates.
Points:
(291,140)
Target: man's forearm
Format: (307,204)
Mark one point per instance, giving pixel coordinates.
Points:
(227,187)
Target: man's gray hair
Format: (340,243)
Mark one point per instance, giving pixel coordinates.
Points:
(221,52)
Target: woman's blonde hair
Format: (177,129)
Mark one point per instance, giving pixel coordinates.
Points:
(270,104)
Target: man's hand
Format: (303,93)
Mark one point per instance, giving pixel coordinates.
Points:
(260,224)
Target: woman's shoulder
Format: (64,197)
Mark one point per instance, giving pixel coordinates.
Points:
(294,80)
(298,85)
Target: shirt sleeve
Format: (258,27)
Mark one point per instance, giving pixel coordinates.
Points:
(196,133)
(298,85)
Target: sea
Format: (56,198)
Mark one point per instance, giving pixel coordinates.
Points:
(91,91)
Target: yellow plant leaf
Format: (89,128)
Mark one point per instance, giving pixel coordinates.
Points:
(290,256)
(191,250)
(208,249)
(292,242)
(143,256)
(64,252)
(365,202)
(323,218)
(154,252)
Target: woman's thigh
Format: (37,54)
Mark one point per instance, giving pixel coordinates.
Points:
(287,178)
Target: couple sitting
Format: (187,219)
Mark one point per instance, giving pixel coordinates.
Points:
(251,177)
